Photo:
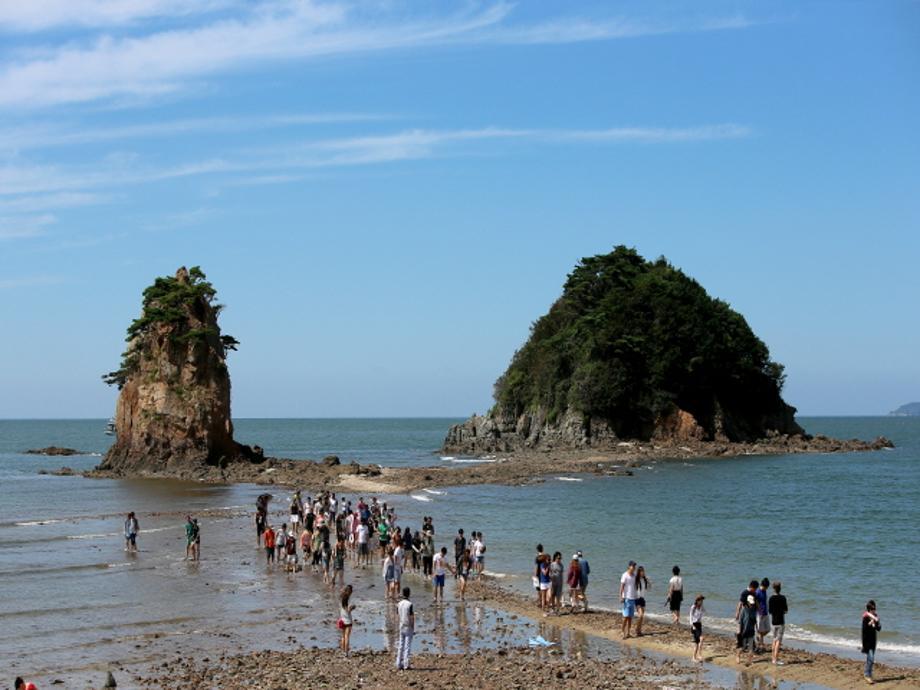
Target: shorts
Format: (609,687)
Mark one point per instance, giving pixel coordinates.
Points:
(676,598)
(640,603)
(544,586)
(778,631)
(747,644)
(763,624)
(362,549)
(629,608)
(295,519)
(557,589)
(438,580)
(697,630)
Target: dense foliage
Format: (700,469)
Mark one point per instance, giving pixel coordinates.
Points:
(629,339)
(180,303)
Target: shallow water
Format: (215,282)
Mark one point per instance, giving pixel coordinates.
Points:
(836,529)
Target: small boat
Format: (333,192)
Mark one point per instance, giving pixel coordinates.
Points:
(110,427)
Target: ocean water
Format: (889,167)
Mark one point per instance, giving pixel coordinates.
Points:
(836,529)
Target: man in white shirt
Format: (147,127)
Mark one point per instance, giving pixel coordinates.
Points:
(406,630)
(363,534)
(628,597)
(439,570)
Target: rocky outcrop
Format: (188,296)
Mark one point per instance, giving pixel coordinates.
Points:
(173,412)
(54,450)
(678,434)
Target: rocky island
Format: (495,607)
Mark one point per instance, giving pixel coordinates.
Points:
(634,362)
(635,351)
(173,412)
(907,410)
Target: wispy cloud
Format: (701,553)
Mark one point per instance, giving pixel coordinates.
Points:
(19,227)
(49,135)
(29,281)
(20,183)
(38,15)
(165,61)
(46,202)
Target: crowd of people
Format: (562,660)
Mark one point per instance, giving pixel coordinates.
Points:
(324,533)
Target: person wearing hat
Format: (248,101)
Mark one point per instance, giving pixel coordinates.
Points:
(748,625)
(696,627)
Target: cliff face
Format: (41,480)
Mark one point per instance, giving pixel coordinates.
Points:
(632,350)
(173,412)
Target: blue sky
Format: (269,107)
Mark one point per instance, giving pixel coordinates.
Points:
(386,194)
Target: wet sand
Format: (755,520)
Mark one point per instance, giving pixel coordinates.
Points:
(504,668)
(799,666)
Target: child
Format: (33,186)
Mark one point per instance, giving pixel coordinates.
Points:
(269,545)
(345,621)
(696,627)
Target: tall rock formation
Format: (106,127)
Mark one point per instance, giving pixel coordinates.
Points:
(173,412)
(633,349)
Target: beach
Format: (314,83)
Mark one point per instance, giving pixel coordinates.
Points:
(71,591)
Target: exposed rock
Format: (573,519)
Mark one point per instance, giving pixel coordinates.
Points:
(173,412)
(331,460)
(63,472)
(54,450)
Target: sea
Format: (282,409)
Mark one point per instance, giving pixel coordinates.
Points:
(836,529)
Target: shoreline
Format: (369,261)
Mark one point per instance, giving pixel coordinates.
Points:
(800,666)
(512,468)
(500,663)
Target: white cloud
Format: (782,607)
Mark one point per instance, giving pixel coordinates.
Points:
(42,136)
(45,202)
(23,182)
(37,15)
(166,61)
(20,227)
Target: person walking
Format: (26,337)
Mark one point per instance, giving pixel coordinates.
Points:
(545,582)
(675,594)
(535,578)
(427,553)
(464,569)
(406,614)
(871,624)
(339,553)
(747,627)
(459,550)
(584,571)
(189,536)
(269,545)
(573,580)
(132,527)
(628,598)
(696,627)
(440,567)
(763,617)
(777,608)
(345,620)
(389,574)
(556,569)
(642,587)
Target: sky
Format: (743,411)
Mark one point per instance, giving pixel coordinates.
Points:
(386,194)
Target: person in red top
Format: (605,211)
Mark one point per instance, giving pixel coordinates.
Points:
(20,684)
(269,538)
